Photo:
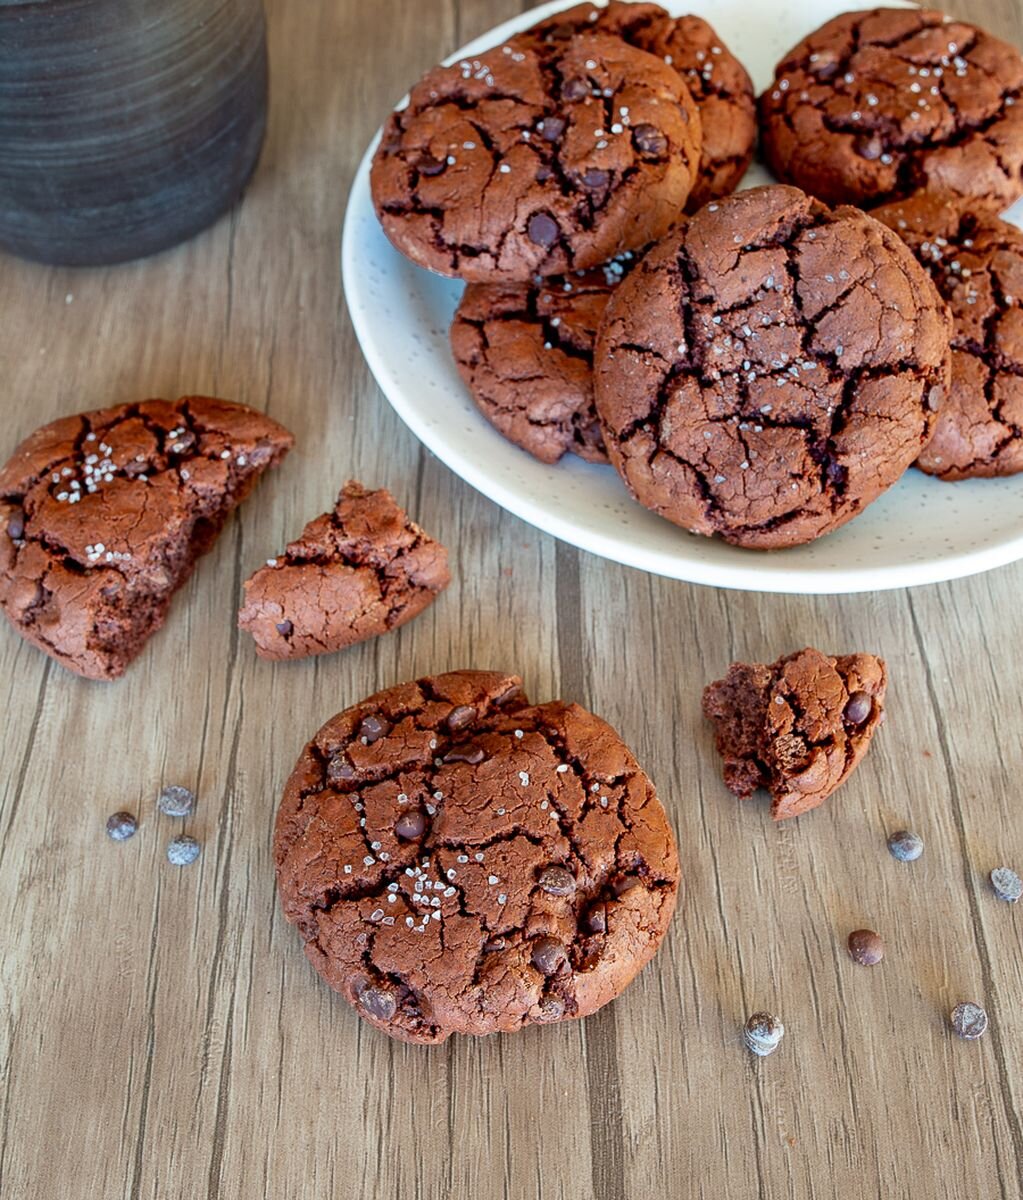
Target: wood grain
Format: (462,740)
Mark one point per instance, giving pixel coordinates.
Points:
(161,1034)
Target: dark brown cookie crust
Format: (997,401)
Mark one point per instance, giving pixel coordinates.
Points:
(356,572)
(719,83)
(798,727)
(460,861)
(537,160)
(770,369)
(877,105)
(525,352)
(976,261)
(102,516)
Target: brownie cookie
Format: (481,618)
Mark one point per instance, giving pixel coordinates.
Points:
(798,727)
(770,369)
(458,860)
(717,80)
(536,159)
(525,352)
(355,573)
(877,105)
(102,516)
(976,260)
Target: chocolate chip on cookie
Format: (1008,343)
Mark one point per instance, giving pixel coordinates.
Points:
(771,368)
(715,77)
(446,876)
(976,260)
(798,727)
(355,573)
(877,105)
(537,159)
(103,515)
(525,352)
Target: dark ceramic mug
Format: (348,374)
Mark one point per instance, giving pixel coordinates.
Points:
(126,126)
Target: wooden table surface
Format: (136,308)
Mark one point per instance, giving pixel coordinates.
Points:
(161,1033)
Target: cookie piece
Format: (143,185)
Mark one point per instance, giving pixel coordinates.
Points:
(458,860)
(102,516)
(798,727)
(770,369)
(877,105)
(355,573)
(717,80)
(537,160)
(976,261)
(525,352)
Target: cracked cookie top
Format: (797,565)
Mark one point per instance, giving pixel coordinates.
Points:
(102,516)
(771,368)
(356,572)
(798,727)
(536,159)
(976,261)
(877,105)
(458,860)
(525,351)
(717,80)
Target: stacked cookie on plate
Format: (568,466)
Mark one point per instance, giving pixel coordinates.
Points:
(759,366)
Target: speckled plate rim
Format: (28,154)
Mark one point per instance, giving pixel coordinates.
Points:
(784,572)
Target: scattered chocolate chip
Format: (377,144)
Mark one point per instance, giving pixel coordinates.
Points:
(969,1020)
(16,524)
(429,166)
(373,728)
(859,708)
(649,140)
(121,826)
(865,947)
(471,754)
(905,845)
(1007,884)
(542,230)
(176,801)
(461,717)
(378,1002)
(763,1033)
(548,955)
(595,920)
(410,825)
(595,179)
(284,628)
(574,89)
(557,881)
(552,1008)
(553,128)
(340,770)
(182,850)
(935,397)
(871,148)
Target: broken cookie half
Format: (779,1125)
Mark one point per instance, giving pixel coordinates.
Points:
(356,572)
(798,727)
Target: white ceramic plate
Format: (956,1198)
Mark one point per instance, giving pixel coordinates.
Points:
(922,531)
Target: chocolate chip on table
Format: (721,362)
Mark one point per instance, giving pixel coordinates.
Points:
(548,955)
(905,845)
(865,947)
(557,881)
(121,826)
(969,1020)
(176,801)
(763,1033)
(1007,884)
(410,825)
(373,728)
(542,230)
(648,139)
(16,524)
(182,851)
(378,1002)
(859,708)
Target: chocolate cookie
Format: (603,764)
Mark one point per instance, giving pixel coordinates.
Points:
(458,860)
(537,159)
(719,83)
(798,727)
(877,105)
(102,516)
(976,260)
(356,572)
(525,352)
(770,369)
